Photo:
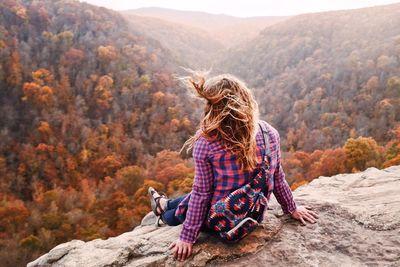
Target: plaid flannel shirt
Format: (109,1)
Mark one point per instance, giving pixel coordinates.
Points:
(217,173)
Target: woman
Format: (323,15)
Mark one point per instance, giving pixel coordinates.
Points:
(227,151)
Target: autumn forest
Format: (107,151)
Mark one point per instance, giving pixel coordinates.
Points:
(92,113)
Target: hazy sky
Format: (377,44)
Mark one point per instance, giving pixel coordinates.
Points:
(244,8)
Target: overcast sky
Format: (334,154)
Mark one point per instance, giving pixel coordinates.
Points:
(244,8)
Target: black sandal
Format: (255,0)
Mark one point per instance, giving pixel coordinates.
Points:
(155,201)
(158,224)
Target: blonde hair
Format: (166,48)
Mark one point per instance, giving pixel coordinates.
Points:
(231,115)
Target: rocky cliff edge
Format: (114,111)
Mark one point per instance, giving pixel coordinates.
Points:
(359,225)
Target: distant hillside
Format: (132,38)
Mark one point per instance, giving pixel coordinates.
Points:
(322,78)
(228,30)
(186,45)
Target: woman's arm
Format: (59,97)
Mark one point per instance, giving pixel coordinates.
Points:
(201,192)
(198,203)
(282,191)
(284,195)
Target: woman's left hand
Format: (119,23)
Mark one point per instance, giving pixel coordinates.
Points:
(181,250)
(305,213)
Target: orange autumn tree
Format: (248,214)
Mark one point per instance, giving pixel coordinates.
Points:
(40,91)
(393,149)
(102,93)
(15,77)
(129,179)
(13,214)
(362,153)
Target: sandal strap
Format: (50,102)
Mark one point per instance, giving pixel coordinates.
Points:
(158,205)
(159,218)
(153,191)
(157,202)
(161,195)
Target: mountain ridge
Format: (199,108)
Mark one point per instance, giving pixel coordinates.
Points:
(229,30)
(336,68)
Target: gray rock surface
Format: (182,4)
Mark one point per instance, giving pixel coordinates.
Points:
(359,225)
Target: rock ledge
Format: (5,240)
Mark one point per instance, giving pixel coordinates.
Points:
(359,225)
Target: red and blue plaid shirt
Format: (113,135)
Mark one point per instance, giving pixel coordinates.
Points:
(217,173)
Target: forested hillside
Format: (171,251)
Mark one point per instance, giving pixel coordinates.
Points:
(86,104)
(91,114)
(323,78)
(187,46)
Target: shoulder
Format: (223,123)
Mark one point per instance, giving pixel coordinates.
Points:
(272,131)
(201,147)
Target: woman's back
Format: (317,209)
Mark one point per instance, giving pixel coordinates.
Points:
(217,174)
(226,172)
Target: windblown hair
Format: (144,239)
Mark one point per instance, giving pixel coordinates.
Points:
(230,115)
